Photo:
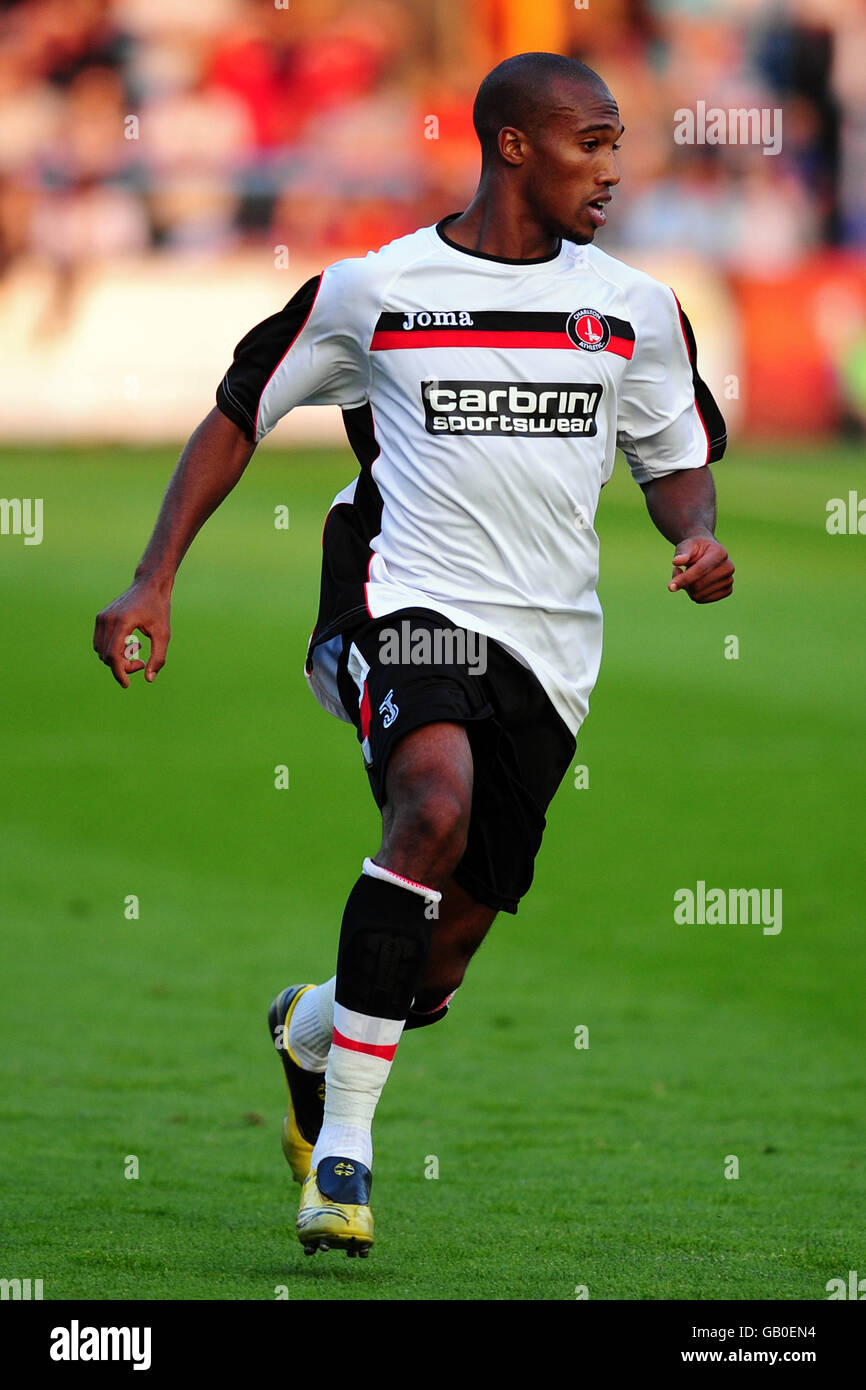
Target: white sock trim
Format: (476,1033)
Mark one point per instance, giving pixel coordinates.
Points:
(388,876)
(363,1028)
(343,1141)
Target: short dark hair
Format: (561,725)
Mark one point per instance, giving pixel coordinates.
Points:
(517,92)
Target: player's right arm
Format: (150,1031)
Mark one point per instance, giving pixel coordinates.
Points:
(313,352)
(209,467)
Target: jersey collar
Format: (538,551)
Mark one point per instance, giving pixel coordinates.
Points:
(484,256)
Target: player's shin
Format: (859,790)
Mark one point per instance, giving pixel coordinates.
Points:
(384,943)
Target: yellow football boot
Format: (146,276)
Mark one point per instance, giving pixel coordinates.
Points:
(335,1208)
(306,1088)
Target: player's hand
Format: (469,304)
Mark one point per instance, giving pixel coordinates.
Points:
(145,607)
(703,568)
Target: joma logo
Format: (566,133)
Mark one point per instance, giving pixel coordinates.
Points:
(438,318)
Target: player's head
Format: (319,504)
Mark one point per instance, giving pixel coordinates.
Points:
(549,125)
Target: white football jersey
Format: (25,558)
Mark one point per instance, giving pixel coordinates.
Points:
(484,399)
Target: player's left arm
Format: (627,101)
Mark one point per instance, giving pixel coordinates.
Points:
(683,507)
(670,429)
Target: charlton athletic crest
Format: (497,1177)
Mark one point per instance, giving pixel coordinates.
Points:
(588,330)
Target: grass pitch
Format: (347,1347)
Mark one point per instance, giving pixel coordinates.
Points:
(558,1167)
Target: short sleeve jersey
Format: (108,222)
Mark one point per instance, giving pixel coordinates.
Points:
(484,400)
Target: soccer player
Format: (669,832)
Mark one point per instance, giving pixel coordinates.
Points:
(487,368)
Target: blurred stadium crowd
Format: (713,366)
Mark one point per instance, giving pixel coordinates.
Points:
(156,155)
(288,121)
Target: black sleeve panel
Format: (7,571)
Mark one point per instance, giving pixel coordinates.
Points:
(714,421)
(258,354)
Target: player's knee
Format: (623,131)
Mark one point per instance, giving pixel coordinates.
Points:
(434,821)
(440,818)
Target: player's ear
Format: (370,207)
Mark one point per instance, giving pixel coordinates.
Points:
(513,145)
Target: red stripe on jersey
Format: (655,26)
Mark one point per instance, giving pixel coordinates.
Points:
(365,712)
(623,347)
(691,364)
(372,1049)
(385,341)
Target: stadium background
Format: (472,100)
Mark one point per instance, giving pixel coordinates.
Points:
(169,174)
(307,128)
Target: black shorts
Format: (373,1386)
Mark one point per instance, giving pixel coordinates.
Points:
(521,747)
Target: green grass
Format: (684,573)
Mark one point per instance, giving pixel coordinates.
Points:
(557,1166)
